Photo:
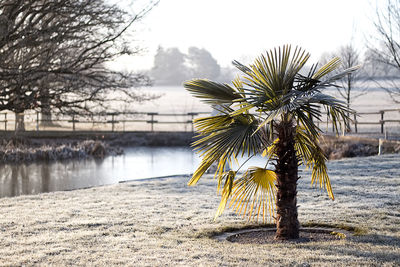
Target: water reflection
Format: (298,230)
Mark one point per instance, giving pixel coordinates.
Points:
(136,163)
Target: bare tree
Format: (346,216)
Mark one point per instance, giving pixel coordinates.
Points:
(54,54)
(352,85)
(384,49)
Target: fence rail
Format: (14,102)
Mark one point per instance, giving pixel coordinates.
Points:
(382,121)
(114,122)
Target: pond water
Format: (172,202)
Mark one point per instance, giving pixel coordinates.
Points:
(137,163)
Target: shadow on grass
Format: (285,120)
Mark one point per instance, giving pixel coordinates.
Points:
(353,230)
(227,229)
(381,248)
(360,244)
(375,239)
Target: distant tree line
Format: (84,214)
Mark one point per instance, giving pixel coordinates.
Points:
(53,55)
(172,67)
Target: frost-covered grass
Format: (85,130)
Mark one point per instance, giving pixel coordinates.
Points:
(163,222)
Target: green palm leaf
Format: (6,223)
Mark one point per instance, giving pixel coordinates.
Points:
(223,139)
(212,92)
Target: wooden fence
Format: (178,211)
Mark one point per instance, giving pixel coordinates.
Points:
(114,122)
(381,121)
(363,122)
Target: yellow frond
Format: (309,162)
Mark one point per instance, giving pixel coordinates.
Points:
(199,172)
(327,68)
(312,156)
(264,153)
(254,194)
(226,192)
(320,174)
(271,150)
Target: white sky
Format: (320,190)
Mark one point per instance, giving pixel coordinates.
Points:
(242,29)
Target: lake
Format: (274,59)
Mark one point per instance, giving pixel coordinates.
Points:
(137,163)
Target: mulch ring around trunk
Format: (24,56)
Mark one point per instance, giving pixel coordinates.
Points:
(266,235)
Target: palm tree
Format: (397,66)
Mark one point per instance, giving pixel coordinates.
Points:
(271,111)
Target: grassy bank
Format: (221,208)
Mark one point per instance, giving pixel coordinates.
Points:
(32,146)
(112,138)
(39,146)
(163,222)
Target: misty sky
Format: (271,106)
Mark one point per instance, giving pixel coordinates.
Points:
(238,29)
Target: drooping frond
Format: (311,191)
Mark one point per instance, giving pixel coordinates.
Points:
(223,139)
(253,195)
(204,165)
(338,115)
(312,156)
(226,191)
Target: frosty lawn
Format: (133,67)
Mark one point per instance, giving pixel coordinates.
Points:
(164,222)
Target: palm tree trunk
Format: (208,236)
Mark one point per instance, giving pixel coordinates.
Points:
(287,223)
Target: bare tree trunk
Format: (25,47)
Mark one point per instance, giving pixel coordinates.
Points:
(46,119)
(287,223)
(348,94)
(19,122)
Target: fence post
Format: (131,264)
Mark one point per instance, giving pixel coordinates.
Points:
(192,122)
(192,114)
(355,122)
(37,121)
(152,122)
(73,122)
(112,122)
(327,124)
(344,128)
(382,121)
(5,122)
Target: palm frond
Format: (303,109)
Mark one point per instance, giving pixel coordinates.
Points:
(212,92)
(205,164)
(223,139)
(327,68)
(254,194)
(270,151)
(312,156)
(272,76)
(226,192)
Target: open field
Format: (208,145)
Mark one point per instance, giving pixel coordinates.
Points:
(178,117)
(163,222)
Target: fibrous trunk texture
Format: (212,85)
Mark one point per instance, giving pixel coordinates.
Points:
(287,223)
